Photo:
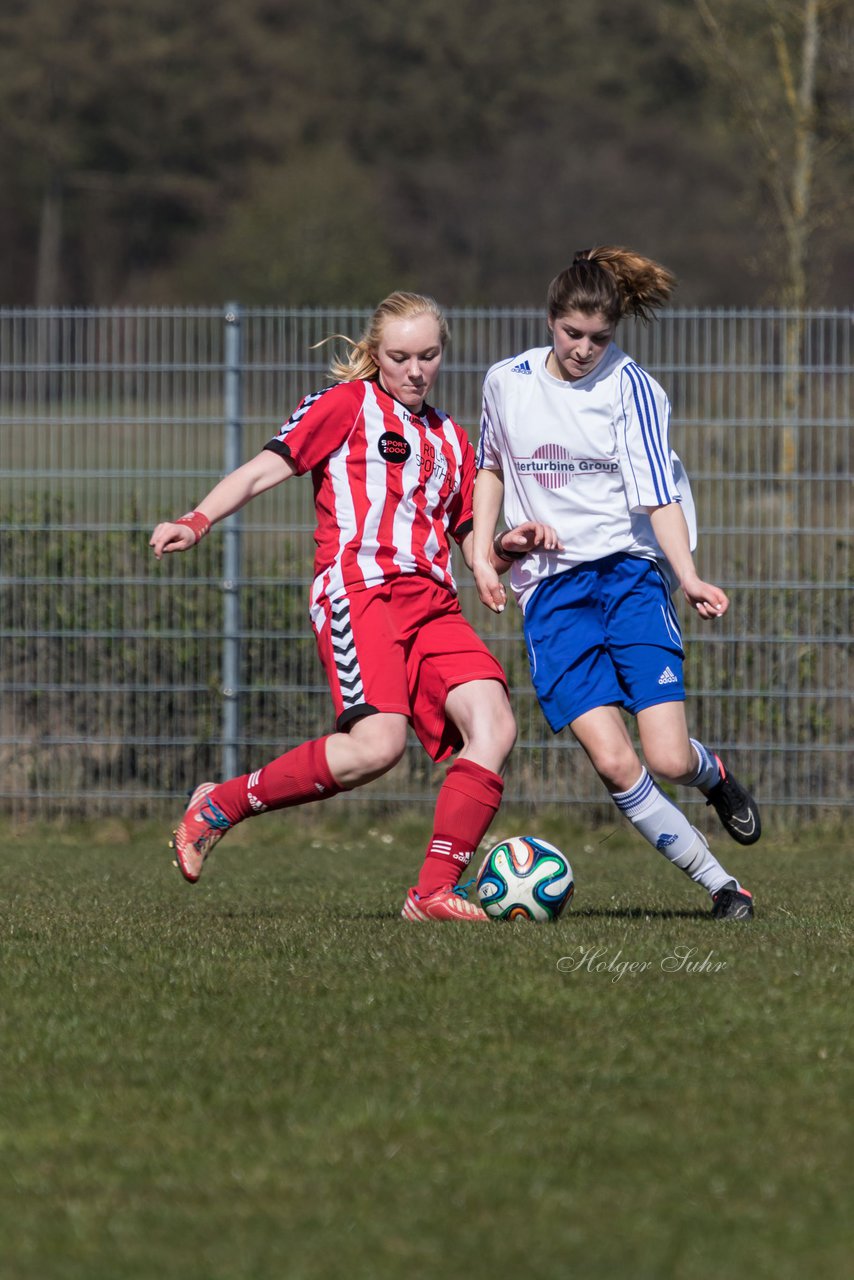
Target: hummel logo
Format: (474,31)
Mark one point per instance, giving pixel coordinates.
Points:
(667,677)
(524,367)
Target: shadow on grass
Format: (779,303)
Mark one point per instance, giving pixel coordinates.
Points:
(640,913)
(602,913)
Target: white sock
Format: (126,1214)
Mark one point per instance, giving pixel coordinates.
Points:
(708,773)
(667,829)
(703,867)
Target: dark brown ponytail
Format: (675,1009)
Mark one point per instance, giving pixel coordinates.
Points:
(616,282)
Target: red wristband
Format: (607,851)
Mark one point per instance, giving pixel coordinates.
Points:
(196,521)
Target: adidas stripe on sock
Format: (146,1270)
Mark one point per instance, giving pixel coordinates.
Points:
(298,777)
(465,806)
(708,773)
(666,828)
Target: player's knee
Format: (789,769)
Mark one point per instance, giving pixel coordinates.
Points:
(617,765)
(506,731)
(669,762)
(386,756)
(492,731)
(378,746)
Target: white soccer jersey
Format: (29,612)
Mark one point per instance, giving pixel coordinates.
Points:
(390,486)
(586,457)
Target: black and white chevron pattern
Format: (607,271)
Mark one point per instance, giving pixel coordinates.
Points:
(301,410)
(346,658)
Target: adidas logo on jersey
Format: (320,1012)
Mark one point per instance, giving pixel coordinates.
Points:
(667,677)
(524,367)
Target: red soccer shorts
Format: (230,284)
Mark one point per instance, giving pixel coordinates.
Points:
(401,647)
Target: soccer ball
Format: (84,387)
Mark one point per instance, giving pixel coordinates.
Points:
(524,878)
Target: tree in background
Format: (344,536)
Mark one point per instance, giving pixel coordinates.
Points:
(318,154)
(786,69)
(123,124)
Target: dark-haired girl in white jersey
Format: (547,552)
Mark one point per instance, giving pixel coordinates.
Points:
(575,437)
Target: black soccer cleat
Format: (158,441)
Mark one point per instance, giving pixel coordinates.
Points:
(735,807)
(732,904)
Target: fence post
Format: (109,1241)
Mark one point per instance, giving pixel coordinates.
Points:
(233,449)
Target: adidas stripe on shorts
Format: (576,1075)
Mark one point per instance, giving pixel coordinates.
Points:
(604,633)
(401,647)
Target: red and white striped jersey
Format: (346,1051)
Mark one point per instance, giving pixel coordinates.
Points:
(390,485)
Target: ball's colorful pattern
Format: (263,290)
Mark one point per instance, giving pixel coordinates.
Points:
(524,878)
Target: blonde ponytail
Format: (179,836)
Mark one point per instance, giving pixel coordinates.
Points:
(356,365)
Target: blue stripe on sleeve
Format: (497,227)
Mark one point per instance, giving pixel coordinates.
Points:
(481,444)
(651,431)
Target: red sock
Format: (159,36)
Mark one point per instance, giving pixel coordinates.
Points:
(298,777)
(466,804)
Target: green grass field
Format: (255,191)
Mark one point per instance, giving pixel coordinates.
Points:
(269,1075)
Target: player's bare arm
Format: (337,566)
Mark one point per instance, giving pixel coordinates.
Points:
(487,502)
(264,471)
(491,555)
(671,531)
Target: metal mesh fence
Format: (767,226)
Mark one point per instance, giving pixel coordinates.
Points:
(125,681)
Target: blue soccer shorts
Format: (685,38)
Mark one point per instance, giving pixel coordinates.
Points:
(602,634)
